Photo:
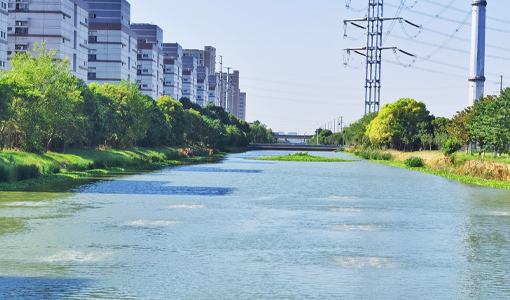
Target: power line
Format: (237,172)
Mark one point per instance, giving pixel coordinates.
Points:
(464,11)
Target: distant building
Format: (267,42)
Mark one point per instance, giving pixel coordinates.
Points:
(202,85)
(112,43)
(221,94)
(172,70)
(4,20)
(233,93)
(189,78)
(60,24)
(241,110)
(205,58)
(214,91)
(149,59)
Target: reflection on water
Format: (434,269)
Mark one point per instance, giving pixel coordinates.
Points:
(282,231)
(131,187)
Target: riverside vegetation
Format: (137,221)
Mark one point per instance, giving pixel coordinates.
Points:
(405,126)
(44,109)
(302,157)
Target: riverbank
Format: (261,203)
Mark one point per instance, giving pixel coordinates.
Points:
(22,169)
(470,169)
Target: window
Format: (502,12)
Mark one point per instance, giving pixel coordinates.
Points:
(92,16)
(92,38)
(145,70)
(92,56)
(86,21)
(21,47)
(4,5)
(91,75)
(4,34)
(21,6)
(21,31)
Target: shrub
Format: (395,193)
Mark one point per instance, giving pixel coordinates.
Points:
(364,154)
(50,169)
(25,172)
(451,146)
(4,174)
(387,156)
(376,156)
(414,162)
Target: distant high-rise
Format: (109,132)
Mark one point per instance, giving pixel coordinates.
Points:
(112,43)
(233,93)
(214,90)
(205,58)
(149,59)
(60,24)
(241,110)
(202,85)
(172,70)
(4,13)
(189,78)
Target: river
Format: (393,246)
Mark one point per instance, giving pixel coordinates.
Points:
(242,229)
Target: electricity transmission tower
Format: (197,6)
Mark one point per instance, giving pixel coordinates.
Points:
(373,52)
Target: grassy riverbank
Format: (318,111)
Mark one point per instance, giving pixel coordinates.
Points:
(22,169)
(302,157)
(472,169)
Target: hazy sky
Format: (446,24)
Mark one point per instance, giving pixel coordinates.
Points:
(291,61)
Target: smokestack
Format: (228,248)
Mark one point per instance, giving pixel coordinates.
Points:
(476,76)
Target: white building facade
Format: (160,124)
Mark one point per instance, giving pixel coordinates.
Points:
(59,24)
(112,44)
(172,70)
(202,85)
(189,78)
(214,91)
(4,20)
(241,109)
(149,59)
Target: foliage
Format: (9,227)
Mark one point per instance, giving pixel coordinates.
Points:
(303,157)
(458,127)
(414,162)
(440,126)
(451,146)
(355,132)
(397,125)
(260,134)
(491,121)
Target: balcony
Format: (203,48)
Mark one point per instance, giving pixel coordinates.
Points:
(20,30)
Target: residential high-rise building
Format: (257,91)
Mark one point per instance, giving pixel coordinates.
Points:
(202,85)
(59,24)
(241,110)
(214,91)
(233,93)
(149,59)
(172,70)
(210,59)
(222,90)
(205,58)
(4,13)
(112,44)
(189,78)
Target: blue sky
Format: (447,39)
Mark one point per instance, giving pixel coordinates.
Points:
(291,61)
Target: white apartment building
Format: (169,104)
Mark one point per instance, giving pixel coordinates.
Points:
(241,109)
(189,78)
(205,58)
(172,70)
(4,20)
(149,59)
(233,93)
(60,24)
(214,90)
(112,43)
(202,85)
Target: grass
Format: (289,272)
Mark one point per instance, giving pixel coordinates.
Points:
(472,169)
(302,157)
(21,169)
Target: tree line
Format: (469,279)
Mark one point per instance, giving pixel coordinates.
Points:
(44,107)
(407,125)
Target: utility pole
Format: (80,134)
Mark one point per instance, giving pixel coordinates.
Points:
(373,52)
(228,90)
(342,129)
(476,74)
(220,92)
(501,85)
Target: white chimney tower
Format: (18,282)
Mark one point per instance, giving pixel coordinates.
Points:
(476,76)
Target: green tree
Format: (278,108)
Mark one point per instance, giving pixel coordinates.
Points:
(397,125)
(440,126)
(259,134)
(458,128)
(46,103)
(354,133)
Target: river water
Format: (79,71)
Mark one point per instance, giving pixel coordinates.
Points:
(241,229)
